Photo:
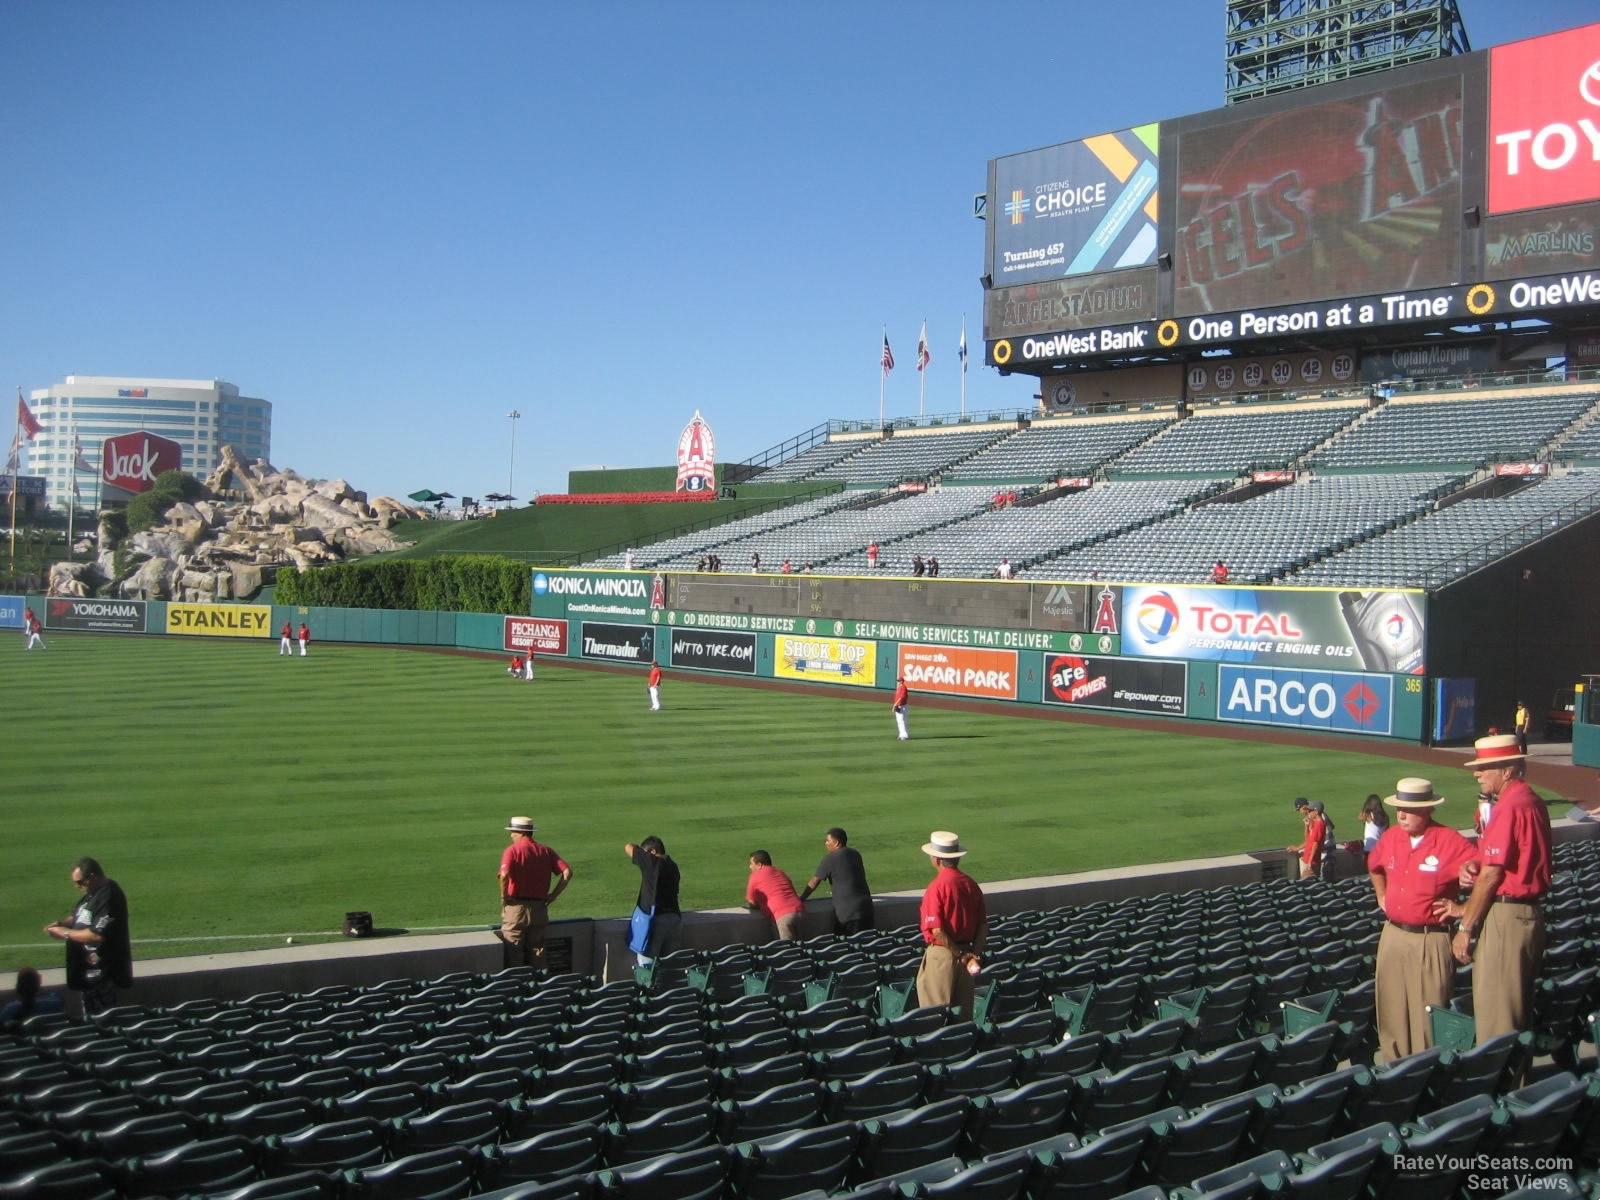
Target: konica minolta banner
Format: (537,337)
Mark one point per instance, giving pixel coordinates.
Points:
(1380,631)
(592,595)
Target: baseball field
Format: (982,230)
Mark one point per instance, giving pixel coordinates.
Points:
(242,798)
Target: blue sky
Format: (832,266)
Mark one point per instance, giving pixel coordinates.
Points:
(399,220)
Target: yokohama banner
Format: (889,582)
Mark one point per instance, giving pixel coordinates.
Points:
(98,616)
(960,671)
(1120,684)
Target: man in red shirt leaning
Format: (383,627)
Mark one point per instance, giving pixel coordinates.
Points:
(954,922)
(1415,863)
(1505,913)
(526,869)
(772,892)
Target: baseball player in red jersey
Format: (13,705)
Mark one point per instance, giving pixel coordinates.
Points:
(305,636)
(286,639)
(655,687)
(902,701)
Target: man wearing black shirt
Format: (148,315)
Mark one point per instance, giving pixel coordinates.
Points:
(99,950)
(847,876)
(658,895)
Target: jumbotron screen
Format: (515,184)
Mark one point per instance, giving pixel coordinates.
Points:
(1348,197)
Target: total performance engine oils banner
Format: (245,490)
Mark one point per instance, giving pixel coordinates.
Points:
(1381,631)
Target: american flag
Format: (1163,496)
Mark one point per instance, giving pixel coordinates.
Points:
(922,348)
(888,356)
(79,462)
(963,351)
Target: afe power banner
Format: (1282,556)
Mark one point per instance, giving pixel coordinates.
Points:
(1374,631)
(959,671)
(708,650)
(220,620)
(826,660)
(95,616)
(542,635)
(1118,684)
(1337,700)
(617,643)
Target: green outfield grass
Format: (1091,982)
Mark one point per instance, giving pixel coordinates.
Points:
(240,797)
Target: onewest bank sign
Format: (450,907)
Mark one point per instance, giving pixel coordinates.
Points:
(220,620)
(1465,302)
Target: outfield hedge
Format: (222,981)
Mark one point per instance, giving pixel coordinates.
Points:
(476,583)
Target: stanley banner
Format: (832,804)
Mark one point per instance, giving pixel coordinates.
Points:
(220,620)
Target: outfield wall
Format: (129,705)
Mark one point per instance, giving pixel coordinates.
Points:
(1315,659)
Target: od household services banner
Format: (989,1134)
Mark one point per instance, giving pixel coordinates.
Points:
(220,620)
(826,660)
(1380,631)
(960,671)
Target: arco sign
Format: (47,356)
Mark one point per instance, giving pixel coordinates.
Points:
(133,461)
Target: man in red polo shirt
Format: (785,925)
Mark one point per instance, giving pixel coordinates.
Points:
(770,891)
(654,684)
(526,869)
(901,702)
(954,922)
(1414,864)
(1502,923)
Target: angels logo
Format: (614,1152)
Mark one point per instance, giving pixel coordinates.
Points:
(697,453)
(658,591)
(1105,613)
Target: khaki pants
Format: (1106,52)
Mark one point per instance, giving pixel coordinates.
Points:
(1414,971)
(943,980)
(1505,968)
(788,927)
(522,927)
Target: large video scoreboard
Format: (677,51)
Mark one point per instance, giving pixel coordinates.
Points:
(1460,191)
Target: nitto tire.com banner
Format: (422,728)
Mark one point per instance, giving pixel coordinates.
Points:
(95,616)
(1118,684)
(826,660)
(1342,701)
(1380,631)
(712,650)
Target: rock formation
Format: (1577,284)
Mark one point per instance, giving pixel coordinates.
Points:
(252,520)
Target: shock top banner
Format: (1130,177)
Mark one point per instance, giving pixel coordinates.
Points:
(1374,630)
(1077,207)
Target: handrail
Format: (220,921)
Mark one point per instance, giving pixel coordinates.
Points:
(1450,569)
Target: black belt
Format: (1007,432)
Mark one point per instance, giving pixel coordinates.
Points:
(1530,900)
(1404,928)
(527,900)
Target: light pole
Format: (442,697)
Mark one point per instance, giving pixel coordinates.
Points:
(511,478)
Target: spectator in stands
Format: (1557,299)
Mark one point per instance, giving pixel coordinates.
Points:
(1309,848)
(770,891)
(788,568)
(627,559)
(1219,572)
(846,875)
(1373,822)
(701,565)
(917,565)
(999,500)
(1003,571)
(29,1002)
(659,882)
(806,570)
(872,556)
(1413,865)
(755,562)
(933,566)
(99,949)
(954,923)
(1011,499)
(526,870)
(1327,861)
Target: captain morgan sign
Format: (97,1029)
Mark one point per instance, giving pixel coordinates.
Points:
(697,457)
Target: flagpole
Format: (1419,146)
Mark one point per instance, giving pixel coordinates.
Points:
(922,369)
(16,462)
(883,375)
(963,364)
(72,492)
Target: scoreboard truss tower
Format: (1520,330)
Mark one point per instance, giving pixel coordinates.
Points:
(1281,45)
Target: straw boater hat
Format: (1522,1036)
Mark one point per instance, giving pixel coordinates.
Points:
(1414,793)
(522,825)
(942,843)
(1497,751)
